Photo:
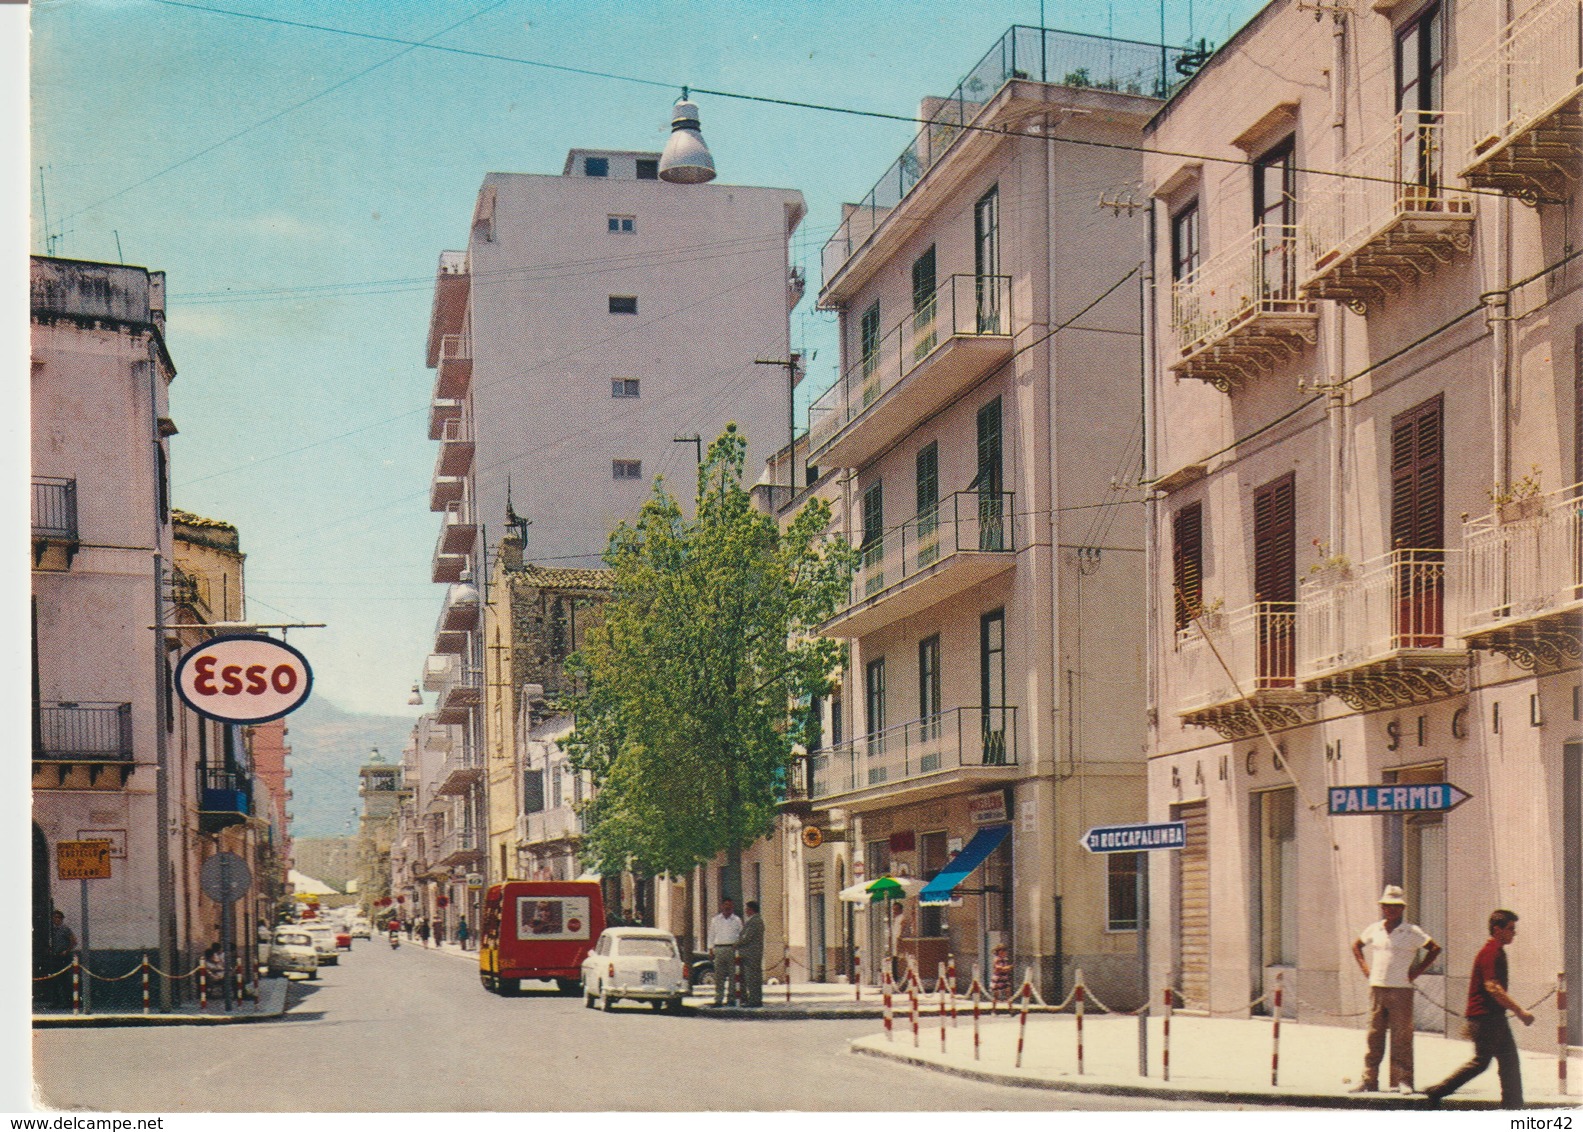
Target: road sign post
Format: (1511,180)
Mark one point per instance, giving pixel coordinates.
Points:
(1395,798)
(225,879)
(1141,838)
(84,861)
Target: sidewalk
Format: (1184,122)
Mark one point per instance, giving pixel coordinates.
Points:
(271,1004)
(1220,1060)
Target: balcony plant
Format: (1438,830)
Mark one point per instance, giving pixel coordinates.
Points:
(1329,568)
(1521,499)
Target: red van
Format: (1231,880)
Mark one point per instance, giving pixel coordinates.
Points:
(538,929)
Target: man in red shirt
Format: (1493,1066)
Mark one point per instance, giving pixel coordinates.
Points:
(1488,1003)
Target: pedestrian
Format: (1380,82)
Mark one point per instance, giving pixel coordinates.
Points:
(62,945)
(423,930)
(411,928)
(461,931)
(439,931)
(214,968)
(725,930)
(1000,976)
(1491,1034)
(1400,952)
(750,946)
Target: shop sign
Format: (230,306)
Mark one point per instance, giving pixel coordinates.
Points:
(987,809)
(244,678)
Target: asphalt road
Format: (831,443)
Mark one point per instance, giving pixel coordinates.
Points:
(413,1031)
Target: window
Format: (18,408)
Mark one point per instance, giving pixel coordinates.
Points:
(928,473)
(1420,60)
(872,549)
(991,505)
(874,705)
(1275,219)
(1275,580)
(992,685)
(1123,891)
(532,791)
(1276,814)
(596,166)
(924,336)
(1417,523)
(648,169)
(1187,562)
(626,469)
(622,223)
(837,722)
(623,387)
(986,260)
(1184,242)
(868,350)
(623,304)
(929,693)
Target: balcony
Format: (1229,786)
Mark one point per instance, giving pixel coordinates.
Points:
(960,333)
(55,536)
(455,368)
(456,447)
(448,314)
(1374,634)
(458,774)
(1522,105)
(447,568)
(459,847)
(558,823)
(1237,670)
(1523,580)
(1239,314)
(1389,221)
(434,736)
(969,538)
(1083,62)
(458,617)
(446,490)
(190,592)
(225,798)
(459,529)
(440,412)
(461,690)
(82,746)
(435,671)
(962,748)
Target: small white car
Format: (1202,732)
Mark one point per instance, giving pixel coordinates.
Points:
(323,942)
(362,929)
(293,950)
(643,964)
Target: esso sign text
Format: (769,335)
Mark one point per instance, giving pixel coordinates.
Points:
(244,679)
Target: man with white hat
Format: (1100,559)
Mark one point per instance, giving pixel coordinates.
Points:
(1392,966)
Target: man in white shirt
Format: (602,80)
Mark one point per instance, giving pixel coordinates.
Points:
(1392,966)
(725,929)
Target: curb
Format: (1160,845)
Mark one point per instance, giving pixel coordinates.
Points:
(784,1013)
(1375,1102)
(97,1021)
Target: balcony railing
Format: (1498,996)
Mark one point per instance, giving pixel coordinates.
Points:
(455,368)
(55,536)
(458,773)
(1238,669)
(1375,634)
(440,413)
(455,457)
(1523,579)
(1071,59)
(965,738)
(963,307)
(458,529)
(225,791)
(83,732)
(461,689)
(558,823)
(459,846)
(1521,120)
(1389,219)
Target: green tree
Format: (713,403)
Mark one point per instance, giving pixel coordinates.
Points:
(686,718)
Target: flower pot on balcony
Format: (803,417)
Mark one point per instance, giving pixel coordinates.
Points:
(1333,575)
(1518,510)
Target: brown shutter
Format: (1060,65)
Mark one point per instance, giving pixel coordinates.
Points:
(1192,904)
(1187,561)
(1418,478)
(1275,540)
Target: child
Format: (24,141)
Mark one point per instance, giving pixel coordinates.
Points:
(1000,977)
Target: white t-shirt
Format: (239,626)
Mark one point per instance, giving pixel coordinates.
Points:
(724,929)
(1393,952)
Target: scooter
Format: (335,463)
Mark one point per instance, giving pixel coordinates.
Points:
(395,941)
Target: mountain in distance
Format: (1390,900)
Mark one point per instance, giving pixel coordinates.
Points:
(328,745)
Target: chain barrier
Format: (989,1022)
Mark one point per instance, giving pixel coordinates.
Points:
(56,975)
(1305,1004)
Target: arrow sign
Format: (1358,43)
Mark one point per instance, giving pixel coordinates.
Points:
(1133,838)
(1415,798)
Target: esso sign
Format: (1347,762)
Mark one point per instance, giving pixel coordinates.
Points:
(244,679)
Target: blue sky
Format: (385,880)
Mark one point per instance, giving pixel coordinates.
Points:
(300,254)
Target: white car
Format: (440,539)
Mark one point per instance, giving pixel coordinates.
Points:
(642,964)
(362,929)
(293,950)
(323,942)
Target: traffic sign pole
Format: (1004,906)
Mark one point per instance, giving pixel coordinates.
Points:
(87,954)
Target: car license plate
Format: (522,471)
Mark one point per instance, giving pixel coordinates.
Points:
(649,977)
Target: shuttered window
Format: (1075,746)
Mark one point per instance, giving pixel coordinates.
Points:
(1191,869)
(1275,541)
(1418,478)
(1187,561)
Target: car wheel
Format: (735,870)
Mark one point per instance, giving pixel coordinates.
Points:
(606,1002)
(588,997)
(313,974)
(568,986)
(657,1004)
(674,1005)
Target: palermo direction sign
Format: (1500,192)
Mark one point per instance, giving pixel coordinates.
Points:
(1405,798)
(244,678)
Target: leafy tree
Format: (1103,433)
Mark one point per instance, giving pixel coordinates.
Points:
(686,716)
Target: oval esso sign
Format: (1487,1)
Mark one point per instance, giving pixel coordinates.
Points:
(244,679)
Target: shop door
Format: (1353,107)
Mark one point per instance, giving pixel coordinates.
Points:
(1191,897)
(816,930)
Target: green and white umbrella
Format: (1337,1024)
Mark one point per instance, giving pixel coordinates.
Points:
(881,888)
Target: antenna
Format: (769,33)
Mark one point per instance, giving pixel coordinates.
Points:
(43,197)
(118,253)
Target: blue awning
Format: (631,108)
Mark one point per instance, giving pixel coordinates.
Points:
(938,891)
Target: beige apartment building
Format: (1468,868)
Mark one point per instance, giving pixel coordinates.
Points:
(985,432)
(1365,439)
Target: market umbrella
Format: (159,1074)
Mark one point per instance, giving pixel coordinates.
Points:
(882,890)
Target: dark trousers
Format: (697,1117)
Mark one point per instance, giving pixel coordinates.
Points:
(1492,1041)
(753,977)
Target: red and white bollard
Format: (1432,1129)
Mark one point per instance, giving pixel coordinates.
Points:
(939,989)
(1275,1031)
(145,984)
(1079,993)
(950,975)
(976,991)
(857,979)
(786,968)
(1561,1033)
(203,989)
(734,991)
(912,1004)
(1165,1048)
(1022,1026)
(76,985)
(890,1022)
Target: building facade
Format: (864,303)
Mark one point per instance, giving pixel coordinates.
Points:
(985,427)
(1364,428)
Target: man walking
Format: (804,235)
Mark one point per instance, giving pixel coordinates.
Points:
(1491,1034)
(1392,966)
(751,948)
(62,945)
(725,930)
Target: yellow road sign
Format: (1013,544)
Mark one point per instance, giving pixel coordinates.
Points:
(82,860)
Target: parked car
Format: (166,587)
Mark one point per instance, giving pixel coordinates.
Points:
(642,964)
(362,929)
(293,950)
(702,969)
(538,929)
(343,939)
(323,937)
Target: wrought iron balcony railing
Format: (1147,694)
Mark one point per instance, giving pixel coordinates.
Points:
(1522,585)
(958,738)
(83,732)
(1237,669)
(970,522)
(54,508)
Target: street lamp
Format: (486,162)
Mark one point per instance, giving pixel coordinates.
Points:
(686,160)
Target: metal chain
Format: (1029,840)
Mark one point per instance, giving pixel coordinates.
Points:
(56,975)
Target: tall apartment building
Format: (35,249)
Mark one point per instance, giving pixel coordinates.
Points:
(1365,431)
(594,317)
(986,419)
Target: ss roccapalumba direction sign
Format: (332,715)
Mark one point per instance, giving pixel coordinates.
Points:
(1135,838)
(244,678)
